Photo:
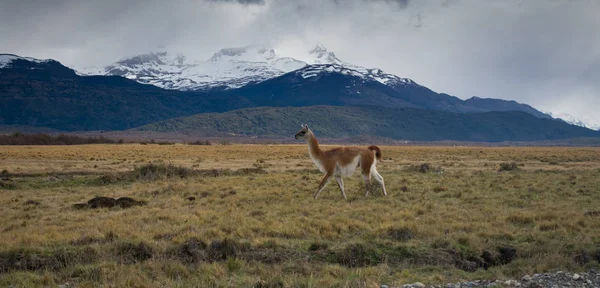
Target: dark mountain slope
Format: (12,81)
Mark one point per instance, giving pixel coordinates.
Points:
(330,84)
(396,123)
(48,94)
(489,104)
(324,88)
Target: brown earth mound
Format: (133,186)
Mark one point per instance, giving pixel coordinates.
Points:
(108,202)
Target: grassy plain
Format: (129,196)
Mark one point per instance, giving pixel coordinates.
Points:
(457,218)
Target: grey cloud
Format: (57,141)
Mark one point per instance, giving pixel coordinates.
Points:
(243,2)
(400,3)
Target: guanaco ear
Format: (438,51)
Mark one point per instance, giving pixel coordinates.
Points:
(305,126)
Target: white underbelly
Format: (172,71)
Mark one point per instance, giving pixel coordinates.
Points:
(347,170)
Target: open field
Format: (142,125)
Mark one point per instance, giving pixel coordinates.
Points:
(244,216)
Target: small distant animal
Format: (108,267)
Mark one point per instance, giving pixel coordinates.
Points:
(342,161)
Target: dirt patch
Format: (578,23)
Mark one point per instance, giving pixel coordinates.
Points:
(108,202)
(127,202)
(102,202)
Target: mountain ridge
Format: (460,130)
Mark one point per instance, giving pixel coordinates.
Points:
(259,63)
(395,123)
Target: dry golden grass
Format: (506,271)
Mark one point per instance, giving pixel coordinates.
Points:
(431,228)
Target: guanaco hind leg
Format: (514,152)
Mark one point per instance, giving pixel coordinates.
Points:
(367,181)
(379,179)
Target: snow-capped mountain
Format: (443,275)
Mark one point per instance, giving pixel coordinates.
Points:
(365,73)
(6,60)
(320,55)
(322,61)
(587,123)
(229,68)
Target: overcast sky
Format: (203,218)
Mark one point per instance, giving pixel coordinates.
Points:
(541,52)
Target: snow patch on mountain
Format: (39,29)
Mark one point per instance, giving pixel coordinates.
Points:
(231,68)
(364,73)
(7,59)
(573,120)
(320,55)
(228,68)
(325,61)
(251,53)
(315,70)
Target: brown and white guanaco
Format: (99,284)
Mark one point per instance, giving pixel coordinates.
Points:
(342,161)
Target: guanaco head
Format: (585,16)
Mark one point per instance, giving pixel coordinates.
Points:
(303,132)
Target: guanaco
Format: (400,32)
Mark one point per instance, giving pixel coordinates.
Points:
(342,161)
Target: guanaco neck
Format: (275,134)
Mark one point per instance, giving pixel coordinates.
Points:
(313,146)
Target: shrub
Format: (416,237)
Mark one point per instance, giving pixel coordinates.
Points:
(152,172)
(508,167)
(221,250)
(18,138)
(199,142)
(358,255)
(316,246)
(401,233)
(192,251)
(132,253)
(424,168)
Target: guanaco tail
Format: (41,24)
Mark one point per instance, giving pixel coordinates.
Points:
(342,161)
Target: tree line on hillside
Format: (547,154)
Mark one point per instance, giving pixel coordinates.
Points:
(19,138)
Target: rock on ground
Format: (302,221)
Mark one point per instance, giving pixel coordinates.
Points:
(544,280)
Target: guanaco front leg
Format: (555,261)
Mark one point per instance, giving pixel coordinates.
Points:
(340,182)
(324,182)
